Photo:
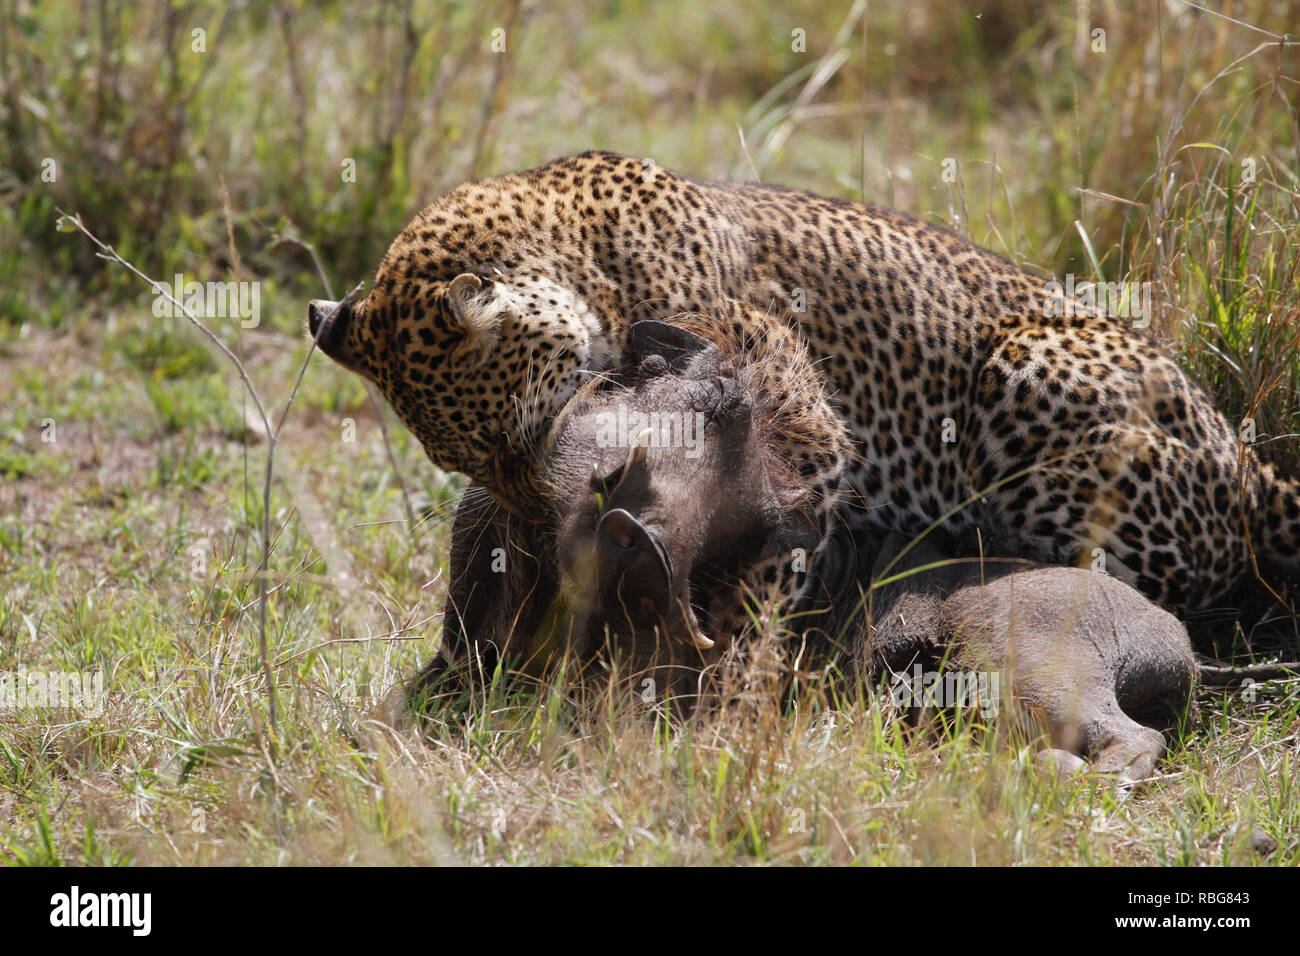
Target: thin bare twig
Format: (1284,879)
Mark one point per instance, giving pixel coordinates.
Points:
(108,253)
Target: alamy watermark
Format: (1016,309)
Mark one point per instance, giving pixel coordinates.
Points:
(74,908)
(1129,300)
(210,300)
(82,691)
(627,428)
(948,689)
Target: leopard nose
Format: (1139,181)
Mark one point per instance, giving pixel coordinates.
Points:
(317,311)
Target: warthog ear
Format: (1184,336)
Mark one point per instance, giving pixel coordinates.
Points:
(636,580)
(673,343)
(476,312)
(634,570)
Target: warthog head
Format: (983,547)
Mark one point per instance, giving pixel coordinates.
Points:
(661,488)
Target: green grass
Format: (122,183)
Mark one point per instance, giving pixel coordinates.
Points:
(130,544)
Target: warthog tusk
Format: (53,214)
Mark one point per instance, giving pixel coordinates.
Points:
(697,637)
(700,641)
(640,445)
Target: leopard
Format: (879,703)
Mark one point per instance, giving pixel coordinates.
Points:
(980,397)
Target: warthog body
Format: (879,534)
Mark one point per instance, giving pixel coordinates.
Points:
(1093,660)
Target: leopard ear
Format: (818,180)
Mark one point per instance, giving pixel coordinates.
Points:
(476,312)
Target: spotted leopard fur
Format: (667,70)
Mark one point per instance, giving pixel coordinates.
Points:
(967,402)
